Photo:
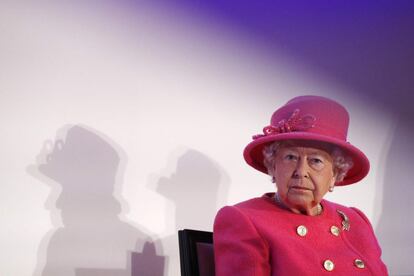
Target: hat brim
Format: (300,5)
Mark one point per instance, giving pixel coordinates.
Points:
(253,153)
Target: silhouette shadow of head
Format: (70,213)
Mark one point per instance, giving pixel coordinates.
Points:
(93,240)
(194,188)
(197,187)
(85,165)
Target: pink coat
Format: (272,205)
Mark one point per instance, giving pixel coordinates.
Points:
(257,237)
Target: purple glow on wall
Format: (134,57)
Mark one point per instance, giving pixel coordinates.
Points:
(365,45)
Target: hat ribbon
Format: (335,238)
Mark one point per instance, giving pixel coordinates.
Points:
(294,123)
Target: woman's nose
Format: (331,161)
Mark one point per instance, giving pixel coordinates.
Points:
(301,169)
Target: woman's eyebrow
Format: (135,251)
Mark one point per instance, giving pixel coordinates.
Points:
(290,150)
(324,155)
(316,153)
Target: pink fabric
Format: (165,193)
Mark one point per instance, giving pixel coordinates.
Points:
(258,238)
(332,119)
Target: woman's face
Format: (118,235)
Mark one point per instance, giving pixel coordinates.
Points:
(303,176)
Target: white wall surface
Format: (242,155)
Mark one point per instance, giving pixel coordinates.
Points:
(120,127)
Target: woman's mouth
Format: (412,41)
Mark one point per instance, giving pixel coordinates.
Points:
(300,188)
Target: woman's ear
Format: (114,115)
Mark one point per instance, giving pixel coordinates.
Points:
(332,184)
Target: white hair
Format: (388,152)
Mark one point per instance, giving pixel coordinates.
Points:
(341,163)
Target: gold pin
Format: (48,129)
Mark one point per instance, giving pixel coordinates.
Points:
(345,220)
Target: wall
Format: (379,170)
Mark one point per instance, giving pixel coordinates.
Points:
(123,122)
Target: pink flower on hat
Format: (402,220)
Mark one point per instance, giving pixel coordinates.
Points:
(294,123)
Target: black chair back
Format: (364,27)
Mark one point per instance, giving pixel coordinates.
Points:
(196,253)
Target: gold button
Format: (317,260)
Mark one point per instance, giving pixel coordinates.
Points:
(328,265)
(302,230)
(335,230)
(359,263)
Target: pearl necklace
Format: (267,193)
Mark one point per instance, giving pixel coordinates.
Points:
(281,204)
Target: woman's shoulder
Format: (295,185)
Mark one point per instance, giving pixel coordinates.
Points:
(260,203)
(265,200)
(254,207)
(345,211)
(251,215)
(334,205)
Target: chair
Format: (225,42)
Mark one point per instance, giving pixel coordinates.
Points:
(196,253)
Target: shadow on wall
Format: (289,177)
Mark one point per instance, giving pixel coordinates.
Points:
(198,188)
(85,169)
(396,227)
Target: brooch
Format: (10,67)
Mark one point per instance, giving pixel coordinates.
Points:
(345,220)
(294,123)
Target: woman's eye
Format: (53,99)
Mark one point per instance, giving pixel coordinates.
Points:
(316,160)
(290,157)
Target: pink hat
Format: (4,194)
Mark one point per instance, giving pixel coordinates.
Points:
(310,118)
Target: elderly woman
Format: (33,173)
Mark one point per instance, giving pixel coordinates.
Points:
(295,231)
